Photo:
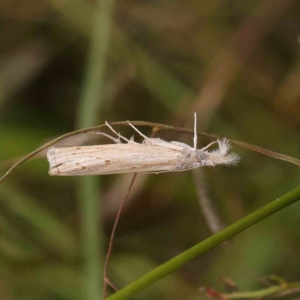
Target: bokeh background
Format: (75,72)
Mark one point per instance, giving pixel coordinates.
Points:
(236,63)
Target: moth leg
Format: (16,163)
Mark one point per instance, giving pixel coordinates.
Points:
(209,145)
(117,141)
(117,134)
(195,132)
(141,134)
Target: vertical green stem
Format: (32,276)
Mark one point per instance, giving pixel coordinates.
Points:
(88,115)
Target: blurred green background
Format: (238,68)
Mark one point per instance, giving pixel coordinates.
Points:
(236,63)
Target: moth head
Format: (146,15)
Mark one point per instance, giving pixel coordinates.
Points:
(201,155)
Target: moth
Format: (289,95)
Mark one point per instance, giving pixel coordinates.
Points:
(153,155)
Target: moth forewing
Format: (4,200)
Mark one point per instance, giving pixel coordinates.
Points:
(113,159)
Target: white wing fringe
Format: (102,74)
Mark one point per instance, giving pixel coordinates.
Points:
(221,156)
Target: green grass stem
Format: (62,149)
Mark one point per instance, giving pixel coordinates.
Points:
(205,245)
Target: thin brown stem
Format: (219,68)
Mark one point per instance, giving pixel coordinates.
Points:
(111,241)
(111,284)
(158,127)
(106,281)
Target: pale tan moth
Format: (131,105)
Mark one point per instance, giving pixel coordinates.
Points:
(153,155)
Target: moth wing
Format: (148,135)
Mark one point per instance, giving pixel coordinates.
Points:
(170,145)
(64,163)
(183,145)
